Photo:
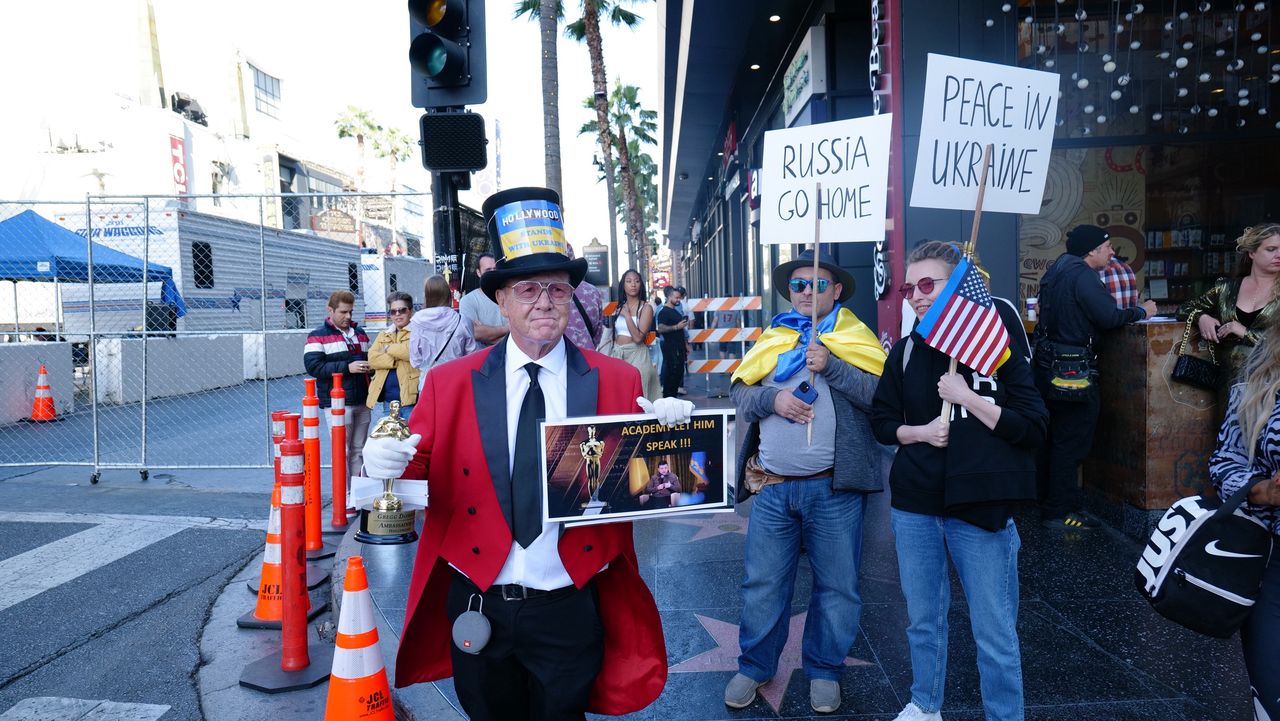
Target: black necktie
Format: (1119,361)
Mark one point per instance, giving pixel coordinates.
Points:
(526,499)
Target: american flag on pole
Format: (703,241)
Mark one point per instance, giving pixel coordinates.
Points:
(964,323)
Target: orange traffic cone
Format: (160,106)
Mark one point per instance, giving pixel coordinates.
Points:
(270,609)
(358,688)
(42,407)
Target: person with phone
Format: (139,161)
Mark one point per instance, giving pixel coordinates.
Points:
(954,482)
(807,491)
(672,325)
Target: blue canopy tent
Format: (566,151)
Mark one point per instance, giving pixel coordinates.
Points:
(35,249)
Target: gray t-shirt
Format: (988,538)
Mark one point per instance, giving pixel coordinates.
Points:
(784,447)
(476,307)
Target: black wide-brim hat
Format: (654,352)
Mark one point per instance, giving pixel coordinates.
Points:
(526,234)
(782,274)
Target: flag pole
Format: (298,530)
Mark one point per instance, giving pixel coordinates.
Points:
(813,331)
(969,248)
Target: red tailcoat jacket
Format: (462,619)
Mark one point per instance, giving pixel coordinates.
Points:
(462,459)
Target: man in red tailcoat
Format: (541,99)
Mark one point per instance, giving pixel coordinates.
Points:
(574,628)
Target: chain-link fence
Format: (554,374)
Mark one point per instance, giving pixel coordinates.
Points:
(170,327)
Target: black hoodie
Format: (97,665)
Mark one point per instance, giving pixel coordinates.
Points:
(1075,306)
(982,472)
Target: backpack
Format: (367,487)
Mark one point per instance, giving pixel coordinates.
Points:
(1204,563)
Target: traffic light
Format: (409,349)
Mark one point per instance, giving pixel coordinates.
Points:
(447,53)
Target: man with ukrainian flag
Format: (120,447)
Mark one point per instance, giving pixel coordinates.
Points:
(810,489)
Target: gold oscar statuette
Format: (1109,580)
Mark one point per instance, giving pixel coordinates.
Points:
(388,521)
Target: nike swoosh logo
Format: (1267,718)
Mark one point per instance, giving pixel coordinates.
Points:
(1212,549)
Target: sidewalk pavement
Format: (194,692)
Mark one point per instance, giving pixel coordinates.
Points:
(1091,648)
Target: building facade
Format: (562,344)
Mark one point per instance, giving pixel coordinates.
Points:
(1165,135)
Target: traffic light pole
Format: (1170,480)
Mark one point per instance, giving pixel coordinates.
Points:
(447,227)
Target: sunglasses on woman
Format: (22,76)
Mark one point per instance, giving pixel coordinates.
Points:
(398,311)
(924,285)
(527,291)
(800,285)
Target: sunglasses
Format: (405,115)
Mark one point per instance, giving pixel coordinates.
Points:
(924,285)
(398,311)
(528,291)
(800,285)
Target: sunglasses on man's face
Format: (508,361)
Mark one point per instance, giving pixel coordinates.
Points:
(924,285)
(398,311)
(800,285)
(528,291)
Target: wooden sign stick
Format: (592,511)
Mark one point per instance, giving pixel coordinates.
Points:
(813,332)
(968,253)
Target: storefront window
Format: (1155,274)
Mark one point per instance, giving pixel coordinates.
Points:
(1153,68)
(1173,210)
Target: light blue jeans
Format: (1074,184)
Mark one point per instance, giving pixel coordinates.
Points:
(987,564)
(830,525)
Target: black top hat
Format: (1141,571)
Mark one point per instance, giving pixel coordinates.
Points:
(782,274)
(526,233)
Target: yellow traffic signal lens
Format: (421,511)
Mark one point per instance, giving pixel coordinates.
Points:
(436,11)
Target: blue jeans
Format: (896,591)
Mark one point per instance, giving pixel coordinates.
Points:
(830,525)
(987,564)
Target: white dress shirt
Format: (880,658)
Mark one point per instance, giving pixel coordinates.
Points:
(538,566)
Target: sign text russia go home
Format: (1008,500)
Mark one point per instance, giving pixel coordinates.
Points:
(849,158)
(968,104)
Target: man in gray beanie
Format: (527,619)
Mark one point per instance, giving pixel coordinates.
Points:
(1075,308)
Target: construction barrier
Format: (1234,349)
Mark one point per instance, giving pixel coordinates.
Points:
(316,546)
(293,668)
(358,687)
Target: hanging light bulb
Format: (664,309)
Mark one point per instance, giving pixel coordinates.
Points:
(1028,20)
(1239,7)
(1137,9)
(1108,67)
(1244,102)
(1006,8)
(1168,24)
(1173,73)
(1083,47)
(1219,52)
(1134,109)
(1115,94)
(1262,111)
(1086,131)
(1082,83)
(1182,92)
(1243,92)
(1259,6)
(1123,80)
(1188,45)
(1060,29)
(1163,55)
(1106,57)
(1157,116)
(1204,7)
(1275,78)
(990,22)
(1261,50)
(1119,28)
(1041,50)
(1102,119)
(1049,63)
(1255,37)
(1134,45)
(1203,77)
(1128,17)
(1240,123)
(1182,130)
(1180,63)
(1239,63)
(1081,14)
(1088,110)
(1183,15)
(1213,112)
(1195,109)
(1059,122)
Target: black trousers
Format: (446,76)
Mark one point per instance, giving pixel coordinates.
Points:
(1071,427)
(540,662)
(1260,638)
(674,359)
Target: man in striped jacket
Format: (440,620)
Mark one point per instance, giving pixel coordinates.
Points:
(341,346)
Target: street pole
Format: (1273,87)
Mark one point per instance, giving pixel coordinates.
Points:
(445,222)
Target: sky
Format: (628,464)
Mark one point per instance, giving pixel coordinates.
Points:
(332,54)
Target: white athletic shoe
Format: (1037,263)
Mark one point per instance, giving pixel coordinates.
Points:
(914,713)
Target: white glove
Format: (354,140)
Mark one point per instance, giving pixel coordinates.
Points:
(387,457)
(670,411)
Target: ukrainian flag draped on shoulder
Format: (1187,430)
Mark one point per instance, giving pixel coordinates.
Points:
(781,348)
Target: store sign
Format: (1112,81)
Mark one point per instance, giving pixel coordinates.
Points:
(178,156)
(806,74)
(969,104)
(873,65)
(840,169)
(333,221)
(730,145)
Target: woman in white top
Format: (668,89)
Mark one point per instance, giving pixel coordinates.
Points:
(631,326)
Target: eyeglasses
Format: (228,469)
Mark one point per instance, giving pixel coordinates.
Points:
(528,291)
(924,285)
(800,285)
(398,311)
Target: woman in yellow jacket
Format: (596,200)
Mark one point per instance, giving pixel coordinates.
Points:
(394,379)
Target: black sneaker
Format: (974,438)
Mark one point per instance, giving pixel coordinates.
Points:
(1070,522)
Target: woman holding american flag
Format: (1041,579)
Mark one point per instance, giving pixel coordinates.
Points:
(966,438)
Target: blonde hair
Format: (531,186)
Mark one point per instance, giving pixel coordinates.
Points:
(1252,237)
(948,252)
(1261,379)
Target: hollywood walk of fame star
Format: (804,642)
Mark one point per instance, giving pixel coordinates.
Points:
(714,525)
(724,657)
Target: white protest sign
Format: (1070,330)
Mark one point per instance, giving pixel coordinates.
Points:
(849,158)
(968,104)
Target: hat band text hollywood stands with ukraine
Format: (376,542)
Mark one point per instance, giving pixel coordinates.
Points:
(528,227)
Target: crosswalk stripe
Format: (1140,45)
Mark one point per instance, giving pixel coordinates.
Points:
(230,524)
(53,708)
(53,564)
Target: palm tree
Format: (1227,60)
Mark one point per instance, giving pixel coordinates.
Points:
(359,124)
(394,145)
(548,14)
(640,123)
(587,28)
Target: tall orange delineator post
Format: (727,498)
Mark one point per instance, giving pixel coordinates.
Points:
(299,665)
(338,448)
(316,575)
(315,545)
